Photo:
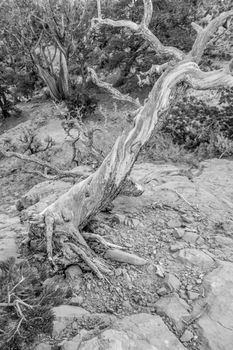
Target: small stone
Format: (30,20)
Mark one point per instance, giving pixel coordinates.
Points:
(118,272)
(172,282)
(160,271)
(178,246)
(73,272)
(193,295)
(126,305)
(178,233)
(187,219)
(78,300)
(121,256)
(183,294)
(200,241)
(162,291)
(118,219)
(190,237)
(187,336)
(198,281)
(173,223)
(189,287)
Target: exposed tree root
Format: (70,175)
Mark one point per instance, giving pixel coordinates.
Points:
(62,221)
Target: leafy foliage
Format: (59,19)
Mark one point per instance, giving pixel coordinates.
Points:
(203,128)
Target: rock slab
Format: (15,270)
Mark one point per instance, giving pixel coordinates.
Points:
(137,332)
(216,323)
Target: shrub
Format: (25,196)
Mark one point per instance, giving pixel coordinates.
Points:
(26,307)
(202,128)
(82,101)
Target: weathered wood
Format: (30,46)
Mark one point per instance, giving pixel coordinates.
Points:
(116,94)
(84,200)
(143,30)
(204,35)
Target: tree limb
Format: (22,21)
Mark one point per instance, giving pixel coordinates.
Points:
(205,34)
(143,30)
(109,88)
(148,11)
(61,173)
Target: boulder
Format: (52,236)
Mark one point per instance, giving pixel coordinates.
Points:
(216,323)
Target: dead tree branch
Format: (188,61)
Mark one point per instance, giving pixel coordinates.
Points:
(143,30)
(110,89)
(74,209)
(60,173)
(204,35)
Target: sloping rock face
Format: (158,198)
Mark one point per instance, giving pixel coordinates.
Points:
(211,192)
(216,323)
(137,332)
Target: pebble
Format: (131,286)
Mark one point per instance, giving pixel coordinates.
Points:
(175,247)
(162,291)
(183,294)
(190,237)
(118,272)
(73,272)
(187,336)
(172,282)
(178,233)
(78,300)
(173,223)
(126,305)
(193,295)
(198,281)
(189,287)
(187,219)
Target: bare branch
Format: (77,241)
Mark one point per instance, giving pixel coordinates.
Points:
(114,92)
(200,80)
(61,173)
(144,31)
(157,68)
(148,11)
(197,28)
(205,34)
(49,177)
(99,9)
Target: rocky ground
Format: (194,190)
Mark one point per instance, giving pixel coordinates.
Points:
(179,294)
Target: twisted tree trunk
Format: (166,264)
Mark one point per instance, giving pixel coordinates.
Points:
(73,210)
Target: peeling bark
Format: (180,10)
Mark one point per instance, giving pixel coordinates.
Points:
(74,209)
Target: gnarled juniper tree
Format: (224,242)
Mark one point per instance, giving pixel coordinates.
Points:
(61,223)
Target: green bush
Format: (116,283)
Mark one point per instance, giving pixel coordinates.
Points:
(202,128)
